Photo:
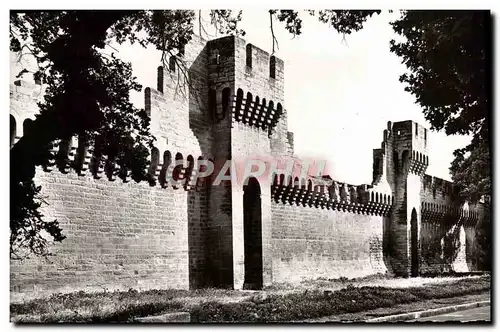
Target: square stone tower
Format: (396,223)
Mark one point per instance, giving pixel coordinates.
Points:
(249,121)
(406,166)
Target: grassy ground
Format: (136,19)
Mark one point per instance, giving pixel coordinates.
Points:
(312,299)
(311,304)
(116,306)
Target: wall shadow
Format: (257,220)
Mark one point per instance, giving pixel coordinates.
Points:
(200,268)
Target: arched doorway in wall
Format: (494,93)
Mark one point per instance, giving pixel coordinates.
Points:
(252,228)
(414,243)
(27,125)
(12,130)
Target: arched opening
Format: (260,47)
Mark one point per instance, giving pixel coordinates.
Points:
(404,160)
(27,126)
(155,160)
(395,160)
(201,167)
(270,115)
(62,156)
(226,95)
(248,104)
(274,177)
(282,179)
(189,172)
(252,227)
(376,168)
(239,100)
(279,110)
(265,114)
(272,67)
(164,174)
(256,104)
(256,111)
(264,104)
(171,64)
(159,79)
(81,162)
(212,103)
(414,243)
(12,130)
(177,171)
(271,106)
(249,55)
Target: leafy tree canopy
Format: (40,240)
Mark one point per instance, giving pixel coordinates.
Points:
(446,53)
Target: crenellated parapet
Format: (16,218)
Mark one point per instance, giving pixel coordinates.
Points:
(438,188)
(380,158)
(168,169)
(440,213)
(318,193)
(256,112)
(409,148)
(418,163)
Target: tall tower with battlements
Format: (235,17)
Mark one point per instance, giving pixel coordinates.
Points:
(246,100)
(405,161)
(235,111)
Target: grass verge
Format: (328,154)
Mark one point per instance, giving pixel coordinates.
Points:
(211,305)
(108,307)
(312,304)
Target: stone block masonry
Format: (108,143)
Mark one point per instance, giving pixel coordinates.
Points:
(119,236)
(122,234)
(308,243)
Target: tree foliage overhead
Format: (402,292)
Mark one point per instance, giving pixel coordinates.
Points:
(344,21)
(86,94)
(446,53)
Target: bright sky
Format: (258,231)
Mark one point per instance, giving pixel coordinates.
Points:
(339,94)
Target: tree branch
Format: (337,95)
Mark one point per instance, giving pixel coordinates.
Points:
(271,13)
